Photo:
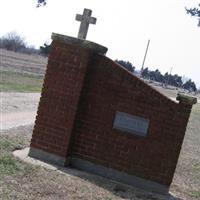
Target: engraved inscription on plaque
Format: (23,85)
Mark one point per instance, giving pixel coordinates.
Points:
(131,124)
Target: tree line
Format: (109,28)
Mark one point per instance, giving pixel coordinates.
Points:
(169,79)
(13,41)
(128,65)
(166,79)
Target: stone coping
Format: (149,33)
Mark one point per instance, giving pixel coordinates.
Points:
(183,98)
(80,42)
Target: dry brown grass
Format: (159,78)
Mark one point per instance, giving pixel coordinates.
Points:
(23,63)
(187,177)
(19,180)
(21,72)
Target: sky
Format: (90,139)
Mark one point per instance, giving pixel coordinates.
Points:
(123,26)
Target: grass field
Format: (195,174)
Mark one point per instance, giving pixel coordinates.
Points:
(11,81)
(21,72)
(187,177)
(19,180)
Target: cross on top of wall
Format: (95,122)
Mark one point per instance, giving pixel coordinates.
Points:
(85,20)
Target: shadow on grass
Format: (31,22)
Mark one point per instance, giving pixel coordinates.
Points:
(119,189)
(116,188)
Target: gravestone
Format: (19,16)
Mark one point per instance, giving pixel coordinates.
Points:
(96,116)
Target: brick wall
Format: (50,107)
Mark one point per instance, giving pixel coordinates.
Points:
(109,88)
(65,73)
(82,92)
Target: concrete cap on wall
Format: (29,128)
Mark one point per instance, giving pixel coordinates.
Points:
(97,48)
(186,99)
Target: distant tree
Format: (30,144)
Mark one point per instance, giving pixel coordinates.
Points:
(174,80)
(12,41)
(178,80)
(158,76)
(145,73)
(41,3)
(152,75)
(166,79)
(126,64)
(45,49)
(190,85)
(30,50)
(195,12)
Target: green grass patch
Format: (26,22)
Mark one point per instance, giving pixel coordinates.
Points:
(196,172)
(195,194)
(8,165)
(20,82)
(10,144)
(196,167)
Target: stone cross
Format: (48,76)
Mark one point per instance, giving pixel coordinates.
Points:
(85,20)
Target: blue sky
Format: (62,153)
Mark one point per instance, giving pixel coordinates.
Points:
(122,26)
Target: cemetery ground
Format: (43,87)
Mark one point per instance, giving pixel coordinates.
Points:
(18,82)
(20,180)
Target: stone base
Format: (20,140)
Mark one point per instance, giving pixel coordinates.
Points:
(46,157)
(119,176)
(99,170)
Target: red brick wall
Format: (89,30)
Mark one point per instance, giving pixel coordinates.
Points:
(65,73)
(81,94)
(109,88)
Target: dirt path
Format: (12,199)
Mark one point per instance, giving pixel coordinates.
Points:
(17,109)
(10,120)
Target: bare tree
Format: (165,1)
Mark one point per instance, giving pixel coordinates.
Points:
(12,41)
(195,12)
(41,3)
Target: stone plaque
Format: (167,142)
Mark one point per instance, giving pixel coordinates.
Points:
(131,124)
